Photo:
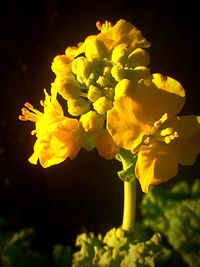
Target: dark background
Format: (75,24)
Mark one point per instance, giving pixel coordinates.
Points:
(63,200)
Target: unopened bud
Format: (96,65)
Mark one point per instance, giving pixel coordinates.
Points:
(77,107)
(95,49)
(61,65)
(92,121)
(94,93)
(118,72)
(119,53)
(102,105)
(109,92)
(139,57)
(81,67)
(102,81)
(67,87)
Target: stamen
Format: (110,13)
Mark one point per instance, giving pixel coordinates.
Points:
(147,140)
(104,27)
(164,118)
(29,113)
(157,124)
(166,131)
(159,133)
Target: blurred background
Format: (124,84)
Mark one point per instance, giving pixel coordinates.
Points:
(85,193)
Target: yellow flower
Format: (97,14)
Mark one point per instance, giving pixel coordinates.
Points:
(58,137)
(122,32)
(110,36)
(145,123)
(106,146)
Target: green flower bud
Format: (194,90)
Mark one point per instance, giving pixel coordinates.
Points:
(95,49)
(61,65)
(123,88)
(107,71)
(139,57)
(102,81)
(77,107)
(119,53)
(94,93)
(92,121)
(89,141)
(82,68)
(138,73)
(109,92)
(74,65)
(88,82)
(67,86)
(118,72)
(102,105)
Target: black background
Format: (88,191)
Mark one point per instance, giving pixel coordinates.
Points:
(63,200)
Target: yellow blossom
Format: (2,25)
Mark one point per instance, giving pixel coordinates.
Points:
(106,146)
(147,124)
(121,32)
(58,137)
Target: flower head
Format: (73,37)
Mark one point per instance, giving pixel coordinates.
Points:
(58,137)
(91,76)
(145,122)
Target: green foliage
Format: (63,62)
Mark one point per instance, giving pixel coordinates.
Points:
(116,249)
(15,249)
(128,161)
(176,214)
(62,256)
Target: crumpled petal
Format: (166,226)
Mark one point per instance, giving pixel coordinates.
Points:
(106,146)
(158,94)
(55,146)
(123,32)
(155,164)
(122,124)
(187,145)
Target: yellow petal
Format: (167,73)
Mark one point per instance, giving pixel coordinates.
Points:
(122,124)
(55,146)
(124,88)
(187,145)
(61,65)
(123,32)
(155,164)
(156,95)
(71,134)
(106,146)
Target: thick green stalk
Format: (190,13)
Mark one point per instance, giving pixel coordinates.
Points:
(129,194)
(129,206)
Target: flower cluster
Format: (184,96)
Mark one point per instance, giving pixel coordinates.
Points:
(114,102)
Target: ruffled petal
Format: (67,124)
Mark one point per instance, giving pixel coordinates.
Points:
(122,124)
(156,95)
(106,146)
(155,164)
(56,146)
(123,32)
(187,145)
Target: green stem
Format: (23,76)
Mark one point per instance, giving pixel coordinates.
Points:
(129,194)
(129,206)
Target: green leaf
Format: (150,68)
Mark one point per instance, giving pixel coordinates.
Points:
(117,248)
(127,175)
(62,256)
(176,214)
(128,161)
(15,250)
